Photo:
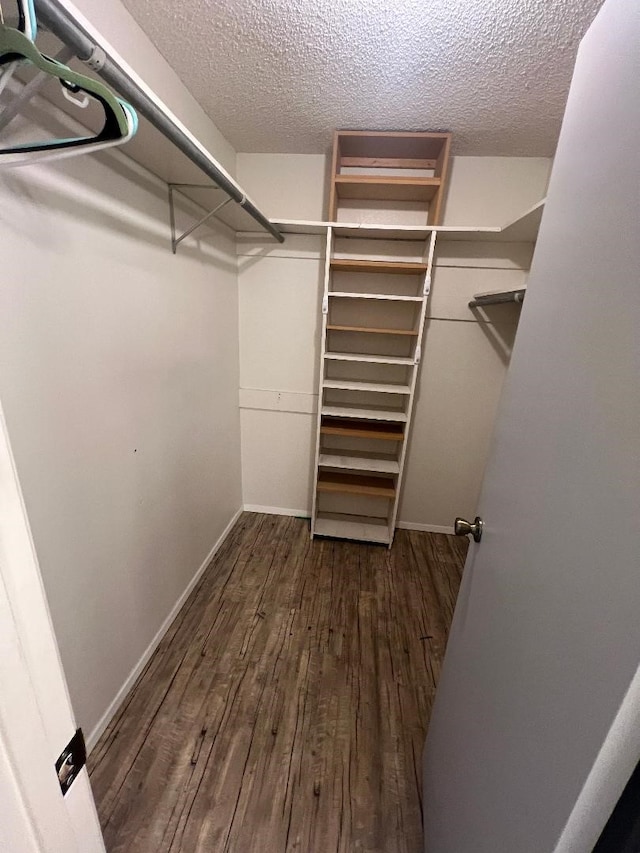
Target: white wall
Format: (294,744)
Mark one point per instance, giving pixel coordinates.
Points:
(464,359)
(119,381)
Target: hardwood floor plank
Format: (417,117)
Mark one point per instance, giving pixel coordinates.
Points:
(286,707)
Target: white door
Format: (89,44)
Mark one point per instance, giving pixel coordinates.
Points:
(535,726)
(36,721)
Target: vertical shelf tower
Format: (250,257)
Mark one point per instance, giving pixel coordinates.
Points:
(376,288)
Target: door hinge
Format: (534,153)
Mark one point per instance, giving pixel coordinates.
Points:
(325,304)
(418,354)
(427,286)
(71,761)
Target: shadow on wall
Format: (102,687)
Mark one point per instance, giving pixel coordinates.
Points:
(500,333)
(62,186)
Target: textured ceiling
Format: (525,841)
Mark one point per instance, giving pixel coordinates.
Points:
(280,75)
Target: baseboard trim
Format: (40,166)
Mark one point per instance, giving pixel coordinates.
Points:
(108,715)
(277,510)
(426,528)
(304,513)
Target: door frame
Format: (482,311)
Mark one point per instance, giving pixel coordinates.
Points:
(36,718)
(607,778)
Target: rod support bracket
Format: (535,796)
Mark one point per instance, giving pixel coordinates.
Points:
(176,240)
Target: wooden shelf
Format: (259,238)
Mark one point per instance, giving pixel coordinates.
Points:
(389,297)
(361,429)
(359,462)
(390,267)
(376,187)
(357,528)
(368,330)
(370,359)
(364,413)
(356,484)
(356,385)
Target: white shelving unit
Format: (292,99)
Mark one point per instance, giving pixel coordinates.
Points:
(354,445)
(371,344)
(380,244)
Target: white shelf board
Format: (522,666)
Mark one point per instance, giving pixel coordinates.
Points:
(389,297)
(371,359)
(365,414)
(354,385)
(329,524)
(359,463)
(354,229)
(523,229)
(301,226)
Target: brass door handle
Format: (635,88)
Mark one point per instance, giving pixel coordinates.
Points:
(462,527)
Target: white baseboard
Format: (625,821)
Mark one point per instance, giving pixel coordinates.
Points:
(304,513)
(108,715)
(427,528)
(277,510)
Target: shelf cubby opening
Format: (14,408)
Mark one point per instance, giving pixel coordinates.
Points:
(374,317)
(362,246)
(393,405)
(358,460)
(373,447)
(359,528)
(348,483)
(372,344)
(361,428)
(386,375)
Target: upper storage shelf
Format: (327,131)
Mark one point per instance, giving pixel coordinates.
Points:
(386,187)
(523,229)
(403,167)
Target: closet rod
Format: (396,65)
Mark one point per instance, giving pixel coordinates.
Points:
(498,298)
(62,23)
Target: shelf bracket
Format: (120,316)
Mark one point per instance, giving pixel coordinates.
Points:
(176,240)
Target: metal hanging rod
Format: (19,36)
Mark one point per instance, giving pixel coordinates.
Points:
(498,297)
(62,23)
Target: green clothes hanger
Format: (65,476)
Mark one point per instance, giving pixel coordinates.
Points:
(120,123)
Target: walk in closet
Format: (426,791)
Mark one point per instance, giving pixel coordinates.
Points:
(254,331)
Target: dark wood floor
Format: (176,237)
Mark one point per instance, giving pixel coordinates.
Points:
(286,708)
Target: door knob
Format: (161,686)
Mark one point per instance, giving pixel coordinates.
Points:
(462,527)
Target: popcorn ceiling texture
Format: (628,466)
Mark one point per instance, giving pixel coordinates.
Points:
(280,75)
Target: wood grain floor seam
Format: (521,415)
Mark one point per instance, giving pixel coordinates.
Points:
(285,709)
